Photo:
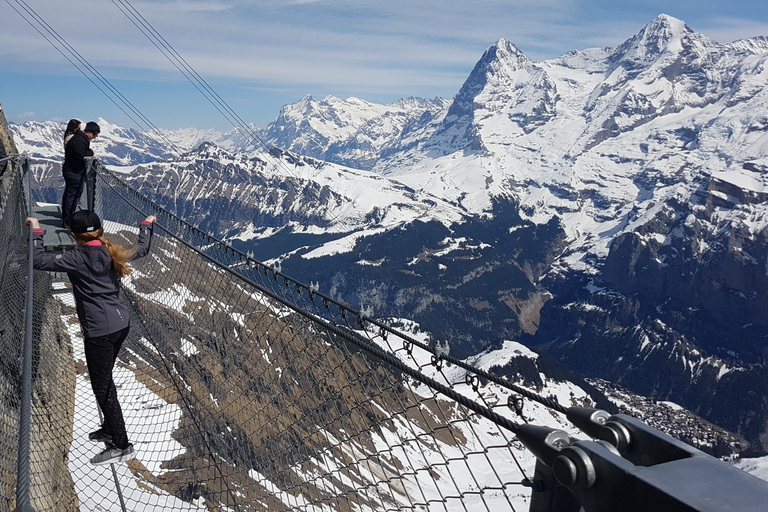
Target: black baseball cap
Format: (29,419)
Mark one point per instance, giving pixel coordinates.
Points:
(92,126)
(84,221)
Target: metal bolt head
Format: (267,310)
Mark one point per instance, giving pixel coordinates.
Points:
(565,471)
(574,469)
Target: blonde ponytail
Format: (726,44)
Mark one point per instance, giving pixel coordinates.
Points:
(120,254)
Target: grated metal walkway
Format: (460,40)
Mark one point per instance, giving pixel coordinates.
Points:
(56,237)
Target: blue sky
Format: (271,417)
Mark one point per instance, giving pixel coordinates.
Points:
(259,55)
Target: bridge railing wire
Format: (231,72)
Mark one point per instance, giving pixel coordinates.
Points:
(34,439)
(244,390)
(13,287)
(289,398)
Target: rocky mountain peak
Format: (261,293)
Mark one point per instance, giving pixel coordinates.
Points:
(207,148)
(664,28)
(505,53)
(663,36)
(305,106)
(504,79)
(500,65)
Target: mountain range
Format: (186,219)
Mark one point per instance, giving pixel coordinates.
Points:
(607,207)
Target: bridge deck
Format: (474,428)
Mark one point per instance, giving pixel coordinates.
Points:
(56,237)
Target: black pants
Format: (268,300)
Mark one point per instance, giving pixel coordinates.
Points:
(100,356)
(73,189)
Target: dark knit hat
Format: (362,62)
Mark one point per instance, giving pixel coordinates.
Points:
(84,221)
(92,126)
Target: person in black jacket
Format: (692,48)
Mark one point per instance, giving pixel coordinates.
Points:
(73,169)
(72,126)
(94,269)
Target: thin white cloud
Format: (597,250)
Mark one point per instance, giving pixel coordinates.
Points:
(730,29)
(342,47)
(233,38)
(21,117)
(183,6)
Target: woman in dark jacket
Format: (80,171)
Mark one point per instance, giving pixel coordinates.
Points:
(76,148)
(94,269)
(72,127)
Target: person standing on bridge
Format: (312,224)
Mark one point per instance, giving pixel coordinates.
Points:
(94,269)
(72,127)
(76,148)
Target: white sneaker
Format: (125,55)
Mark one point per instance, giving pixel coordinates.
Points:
(113,454)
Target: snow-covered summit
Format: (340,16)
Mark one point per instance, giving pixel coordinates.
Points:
(349,131)
(665,34)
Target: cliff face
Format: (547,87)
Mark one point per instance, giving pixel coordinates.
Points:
(7,140)
(678,309)
(51,484)
(5,133)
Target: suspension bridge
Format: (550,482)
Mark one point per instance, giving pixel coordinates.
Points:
(247,390)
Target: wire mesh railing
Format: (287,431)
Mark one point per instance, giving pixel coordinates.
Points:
(13,287)
(280,408)
(243,389)
(49,418)
(246,390)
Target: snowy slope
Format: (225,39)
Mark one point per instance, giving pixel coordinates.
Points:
(275,191)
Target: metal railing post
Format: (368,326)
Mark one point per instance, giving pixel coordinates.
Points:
(90,182)
(25,409)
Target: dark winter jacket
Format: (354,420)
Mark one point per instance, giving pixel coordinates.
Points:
(94,282)
(78,147)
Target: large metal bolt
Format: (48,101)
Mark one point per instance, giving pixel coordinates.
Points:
(565,471)
(616,434)
(574,469)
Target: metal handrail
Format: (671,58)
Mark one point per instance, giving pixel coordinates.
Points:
(25,409)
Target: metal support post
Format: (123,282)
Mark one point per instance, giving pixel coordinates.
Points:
(91,162)
(25,409)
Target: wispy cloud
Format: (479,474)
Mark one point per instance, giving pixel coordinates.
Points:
(183,6)
(344,47)
(21,117)
(725,29)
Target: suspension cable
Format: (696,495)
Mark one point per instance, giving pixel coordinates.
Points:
(90,72)
(186,69)
(180,63)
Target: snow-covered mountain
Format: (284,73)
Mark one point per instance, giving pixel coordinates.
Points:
(114,145)
(609,205)
(279,191)
(351,132)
